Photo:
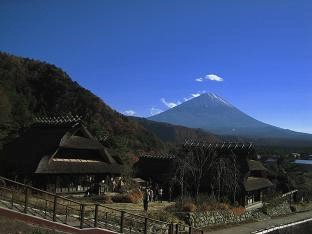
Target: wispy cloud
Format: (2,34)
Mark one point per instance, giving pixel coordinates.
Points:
(199,79)
(170,104)
(193,95)
(214,77)
(130,112)
(155,111)
(187,98)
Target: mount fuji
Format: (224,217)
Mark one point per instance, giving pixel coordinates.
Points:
(212,113)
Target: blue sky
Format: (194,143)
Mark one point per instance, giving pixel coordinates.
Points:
(143,54)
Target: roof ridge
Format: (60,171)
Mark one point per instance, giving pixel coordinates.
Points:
(57,120)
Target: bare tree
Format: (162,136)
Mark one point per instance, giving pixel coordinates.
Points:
(194,163)
(182,168)
(235,174)
(225,177)
(201,160)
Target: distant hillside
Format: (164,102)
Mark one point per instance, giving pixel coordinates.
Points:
(212,113)
(173,133)
(29,87)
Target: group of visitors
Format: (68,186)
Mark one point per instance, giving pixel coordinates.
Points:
(152,194)
(117,184)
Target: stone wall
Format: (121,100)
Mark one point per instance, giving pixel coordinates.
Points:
(278,209)
(204,219)
(210,218)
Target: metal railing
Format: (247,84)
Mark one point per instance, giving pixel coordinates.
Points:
(50,206)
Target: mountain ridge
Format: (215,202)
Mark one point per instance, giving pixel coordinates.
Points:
(174,133)
(213,113)
(31,88)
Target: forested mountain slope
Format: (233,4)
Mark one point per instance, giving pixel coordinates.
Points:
(31,88)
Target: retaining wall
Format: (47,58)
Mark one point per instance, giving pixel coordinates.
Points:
(204,219)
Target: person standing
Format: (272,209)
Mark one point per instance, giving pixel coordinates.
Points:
(151,194)
(161,191)
(170,193)
(156,192)
(145,200)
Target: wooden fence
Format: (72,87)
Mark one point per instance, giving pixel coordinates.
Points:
(50,206)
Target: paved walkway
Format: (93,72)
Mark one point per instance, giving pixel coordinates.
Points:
(247,228)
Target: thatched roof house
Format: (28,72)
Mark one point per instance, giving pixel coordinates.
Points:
(60,145)
(252,181)
(256,183)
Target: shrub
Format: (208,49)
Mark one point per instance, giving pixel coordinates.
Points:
(134,196)
(223,206)
(189,207)
(107,199)
(238,210)
(180,201)
(206,206)
(120,198)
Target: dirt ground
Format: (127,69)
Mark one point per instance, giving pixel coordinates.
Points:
(9,226)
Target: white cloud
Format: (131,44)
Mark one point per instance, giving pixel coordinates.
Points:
(187,98)
(130,112)
(195,94)
(155,111)
(170,104)
(214,77)
(199,79)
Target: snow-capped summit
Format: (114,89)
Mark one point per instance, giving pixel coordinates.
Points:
(213,113)
(215,98)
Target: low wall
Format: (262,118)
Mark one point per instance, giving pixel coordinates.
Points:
(204,219)
(210,218)
(277,210)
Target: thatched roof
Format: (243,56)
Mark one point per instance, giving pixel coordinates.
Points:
(256,183)
(256,166)
(157,156)
(139,180)
(75,166)
(219,144)
(58,146)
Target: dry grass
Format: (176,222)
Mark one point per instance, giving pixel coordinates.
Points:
(137,208)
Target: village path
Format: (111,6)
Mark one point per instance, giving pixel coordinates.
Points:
(247,228)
